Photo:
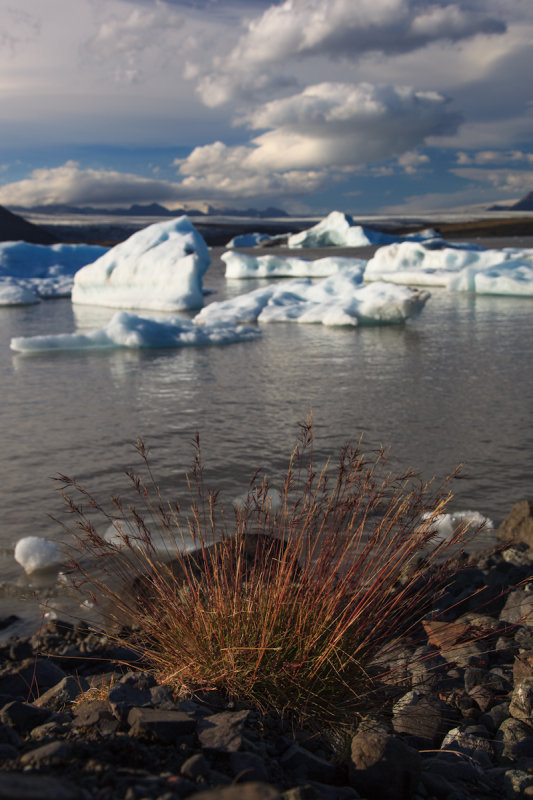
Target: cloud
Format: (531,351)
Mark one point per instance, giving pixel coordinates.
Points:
(297,29)
(505,180)
(412,160)
(486,157)
(345,125)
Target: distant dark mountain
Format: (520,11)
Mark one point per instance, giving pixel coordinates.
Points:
(14,229)
(151,210)
(525,204)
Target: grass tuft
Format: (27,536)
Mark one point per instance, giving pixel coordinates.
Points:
(293,604)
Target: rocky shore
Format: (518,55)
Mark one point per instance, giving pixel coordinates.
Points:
(455,720)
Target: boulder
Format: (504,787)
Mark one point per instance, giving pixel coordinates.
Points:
(518,524)
(382,765)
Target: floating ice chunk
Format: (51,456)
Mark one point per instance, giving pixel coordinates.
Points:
(239,265)
(34,553)
(15,294)
(447,524)
(340,299)
(248,239)
(159,267)
(40,270)
(438,263)
(130,330)
(511,277)
(338,229)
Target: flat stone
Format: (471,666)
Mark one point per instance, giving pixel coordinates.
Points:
(160,725)
(223,731)
(62,694)
(52,753)
(15,786)
(428,718)
(23,717)
(31,679)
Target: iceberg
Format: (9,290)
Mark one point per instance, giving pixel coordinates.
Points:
(512,277)
(239,265)
(340,299)
(32,271)
(248,239)
(34,553)
(13,293)
(339,230)
(132,331)
(159,268)
(444,264)
(446,524)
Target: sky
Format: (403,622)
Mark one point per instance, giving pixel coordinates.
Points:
(365,106)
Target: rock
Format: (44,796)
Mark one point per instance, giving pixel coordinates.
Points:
(383,766)
(52,753)
(248,767)
(471,743)
(305,765)
(518,524)
(160,725)
(517,783)
(523,667)
(196,766)
(223,731)
(22,717)
(522,701)
(9,736)
(96,714)
(31,679)
(243,791)
(14,786)
(425,719)
(62,694)
(518,607)
(515,738)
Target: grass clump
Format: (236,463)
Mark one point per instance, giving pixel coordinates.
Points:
(288,601)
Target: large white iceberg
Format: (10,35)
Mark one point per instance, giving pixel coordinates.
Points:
(239,265)
(340,230)
(512,277)
(31,271)
(444,264)
(159,268)
(340,299)
(133,331)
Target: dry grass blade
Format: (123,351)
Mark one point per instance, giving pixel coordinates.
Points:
(291,605)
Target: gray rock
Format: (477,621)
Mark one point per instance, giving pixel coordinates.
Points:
(518,524)
(14,786)
(197,766)
(470,744)
(304,765)
(62,694)
(515,739)
(22,717)
(518,607)
(160,725)
(31,679)
(242,791)
(248,767)
(52,753)
(517,783)
(522,701)
(383,766)
(123,697)
(428,718)
(223,731)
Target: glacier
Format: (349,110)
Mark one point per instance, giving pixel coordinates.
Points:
(158,268)
(29,272)
(133,331)
(239,265)
(340,299)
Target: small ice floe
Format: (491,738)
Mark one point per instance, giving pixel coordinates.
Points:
(34,554)
(446,524)
(133,331)
(13,293)
(338,300)
(459,267)
(248,240)
(340,230)
(239,265)
(160,268)
(40,270)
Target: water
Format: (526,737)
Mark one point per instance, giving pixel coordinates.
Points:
(455,386)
